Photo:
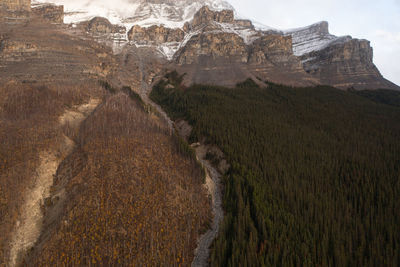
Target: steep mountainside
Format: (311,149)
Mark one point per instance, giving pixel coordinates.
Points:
(92,173)
(211,42)
(339,61)
(108,186)
(16,5)
(172,13)
(40,51)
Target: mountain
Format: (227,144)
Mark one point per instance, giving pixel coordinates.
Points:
(342,61)
(208,43)
(172,14)
(61,118)
(93,171)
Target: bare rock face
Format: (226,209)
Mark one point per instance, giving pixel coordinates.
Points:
(244,23)
(20,9)
(50,13)
(213,45)
(271,58)
(101,26)
(155,35)
(346,64)
(342,62)
(225,51)
(40,51)
(15,5)
(276,49)
(217,58)
(177,11)
(311,38)
(205,16)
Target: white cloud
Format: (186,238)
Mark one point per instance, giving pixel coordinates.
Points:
(389,36)
(387,53)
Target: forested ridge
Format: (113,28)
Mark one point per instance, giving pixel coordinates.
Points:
(128,194)
(315,176)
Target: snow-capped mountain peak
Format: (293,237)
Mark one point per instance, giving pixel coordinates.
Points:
(170,13)
(312,38)
(175,13)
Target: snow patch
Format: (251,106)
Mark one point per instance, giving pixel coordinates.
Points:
(248,35)
(312,38)
(174,14)
(135,12)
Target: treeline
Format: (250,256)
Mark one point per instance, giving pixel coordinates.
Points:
(315,176)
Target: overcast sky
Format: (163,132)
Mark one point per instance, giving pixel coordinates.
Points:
(377,21)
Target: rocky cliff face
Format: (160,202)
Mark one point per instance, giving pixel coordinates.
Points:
(50,13)
(345,65)
(205,16)
(342,62)
(40,51)
(213,45)
(311,38)
(23,9)
(101,26)
(271,58)
(155,35)
(274,49)
(15,5)
(203,36)
(224,47)
(11,9)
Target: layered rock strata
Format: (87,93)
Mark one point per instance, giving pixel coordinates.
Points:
(342,62)
(39,51)
(224,47)
(14,9)
(102,26)
(50,13)
(15,5)
(155,35)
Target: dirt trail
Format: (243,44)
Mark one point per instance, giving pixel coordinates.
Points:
(202,252)
(29,225)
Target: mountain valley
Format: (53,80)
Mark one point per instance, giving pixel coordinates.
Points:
(177,133)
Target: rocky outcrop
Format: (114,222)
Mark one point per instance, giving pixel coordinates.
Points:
(40,51)
(346,64)
(208,56)
(342,62)
(101,26)
(176,11)
(217,58)
(205,16)
(273,49)
(271,58)
(50,13)
(244,23)
(155,35)
(311,38)
(233,49)
(15,5)
(213,45)
(15,9)
(211,38)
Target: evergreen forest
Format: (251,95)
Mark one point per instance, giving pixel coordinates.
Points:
(315,172)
